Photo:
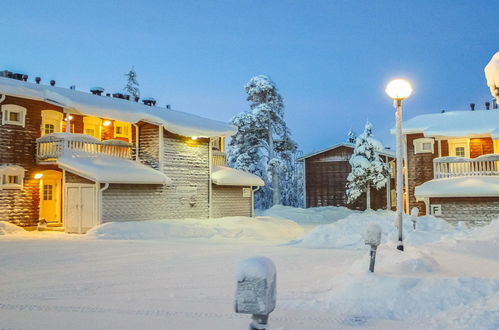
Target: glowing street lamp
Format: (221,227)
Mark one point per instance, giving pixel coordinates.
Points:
(399,90)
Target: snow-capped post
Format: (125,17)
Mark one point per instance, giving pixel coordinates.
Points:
(373,239)
(398,90)
(256,290)
(414,216)
(368,170)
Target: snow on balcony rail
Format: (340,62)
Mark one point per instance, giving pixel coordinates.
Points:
(447,167)
(53,146)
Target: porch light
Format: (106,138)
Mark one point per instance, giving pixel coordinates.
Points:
(194,138)
(399,89)
(38,176)
(106,123)
(70,117)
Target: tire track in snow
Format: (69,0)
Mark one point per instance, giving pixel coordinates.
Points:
(166,313)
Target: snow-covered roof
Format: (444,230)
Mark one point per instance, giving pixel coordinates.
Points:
(455,124)
(492,75)
(108,169)
(467,186)
(226,176)
(177,122)
(386,152)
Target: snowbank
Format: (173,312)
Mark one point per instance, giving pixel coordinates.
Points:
(314,215)
(240,228)
(348,233)
(7,228)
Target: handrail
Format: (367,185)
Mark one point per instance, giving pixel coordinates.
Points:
(485,165)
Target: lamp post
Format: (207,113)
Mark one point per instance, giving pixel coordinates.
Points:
(399,90)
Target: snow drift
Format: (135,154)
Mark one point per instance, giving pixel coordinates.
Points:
(241,228)
(7,228)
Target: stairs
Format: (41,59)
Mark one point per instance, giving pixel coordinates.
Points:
(51,227)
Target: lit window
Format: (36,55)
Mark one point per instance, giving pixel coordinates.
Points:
(47,192)
(49,129)
(11,177)
(122,129)
(92,126)
(13,115)
(460,152)
(51,122)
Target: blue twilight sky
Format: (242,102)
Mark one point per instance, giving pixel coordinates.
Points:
(330,59)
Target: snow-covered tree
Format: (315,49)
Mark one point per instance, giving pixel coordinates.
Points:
(132,83)
(368,170)
(262,144)
(351,136)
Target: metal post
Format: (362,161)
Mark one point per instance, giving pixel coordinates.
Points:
(373,258)
(400,200)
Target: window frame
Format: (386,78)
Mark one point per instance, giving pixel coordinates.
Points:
(7,109)
(51,117)
(7,171)
(419,143)
(93,123)
(456,143)
(127,130)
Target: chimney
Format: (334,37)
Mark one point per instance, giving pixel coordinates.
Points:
(25,77)
(494,104)
(472,106)
(97,90)
(443,111)
(38,79)
(72,87)
(19,76)
(108,94)
(487,105)
(149,101)
(136,99)
(52,83)
(168,106)
(126,97)
(118,95)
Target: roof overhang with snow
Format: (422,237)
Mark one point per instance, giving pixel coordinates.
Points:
(480,123)
(347,145)
(476,186)
(78,102)
(108,169)
(226,176)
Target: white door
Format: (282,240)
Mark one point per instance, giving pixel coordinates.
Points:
(81,208)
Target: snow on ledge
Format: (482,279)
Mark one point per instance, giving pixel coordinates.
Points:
(467,186)
(108,169)
(226,176)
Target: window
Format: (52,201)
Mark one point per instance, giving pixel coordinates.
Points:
(13,115)
(47,192)
(460,151)
(122,129)
(51,122)
(423,145)
(92,126)
(12,177)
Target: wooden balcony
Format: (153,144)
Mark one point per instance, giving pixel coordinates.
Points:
(449,167)
(219,158)
(52,146)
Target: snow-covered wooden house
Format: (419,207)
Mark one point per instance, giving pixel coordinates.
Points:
(326,173)
(453,164)
(77,159)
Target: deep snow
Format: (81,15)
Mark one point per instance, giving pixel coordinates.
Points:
(181,274)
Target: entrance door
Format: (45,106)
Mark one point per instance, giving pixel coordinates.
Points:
(80,208)
(50,196)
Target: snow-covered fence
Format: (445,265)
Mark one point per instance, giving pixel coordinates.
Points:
(447,167)
(256,290)
(219,158)
(53,146)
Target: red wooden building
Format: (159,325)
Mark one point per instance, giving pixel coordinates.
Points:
(326,175)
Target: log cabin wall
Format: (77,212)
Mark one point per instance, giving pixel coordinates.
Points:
(326,179)
(18,147)
(229,201)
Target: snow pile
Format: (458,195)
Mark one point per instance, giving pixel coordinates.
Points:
(348,233)
(240,228)
(223,175)
(314,215)
(7,228)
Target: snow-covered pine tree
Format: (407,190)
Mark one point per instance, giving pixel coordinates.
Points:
(262,143)
(132,83)
(368,170)
(351,136)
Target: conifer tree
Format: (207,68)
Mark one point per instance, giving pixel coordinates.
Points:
(132,83)
(368,170)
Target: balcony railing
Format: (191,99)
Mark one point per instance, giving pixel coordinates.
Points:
(448,167)
(52,146)
(219,158)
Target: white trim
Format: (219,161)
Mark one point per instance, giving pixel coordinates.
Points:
(12,170)
(304,184)
(2,98)
(406,175)
(419,143)
(161,158)
(13,108)
(454,143)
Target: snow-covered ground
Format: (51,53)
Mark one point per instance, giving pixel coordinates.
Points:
(181,274)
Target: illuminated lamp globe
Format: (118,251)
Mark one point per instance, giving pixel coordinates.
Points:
(399,89)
